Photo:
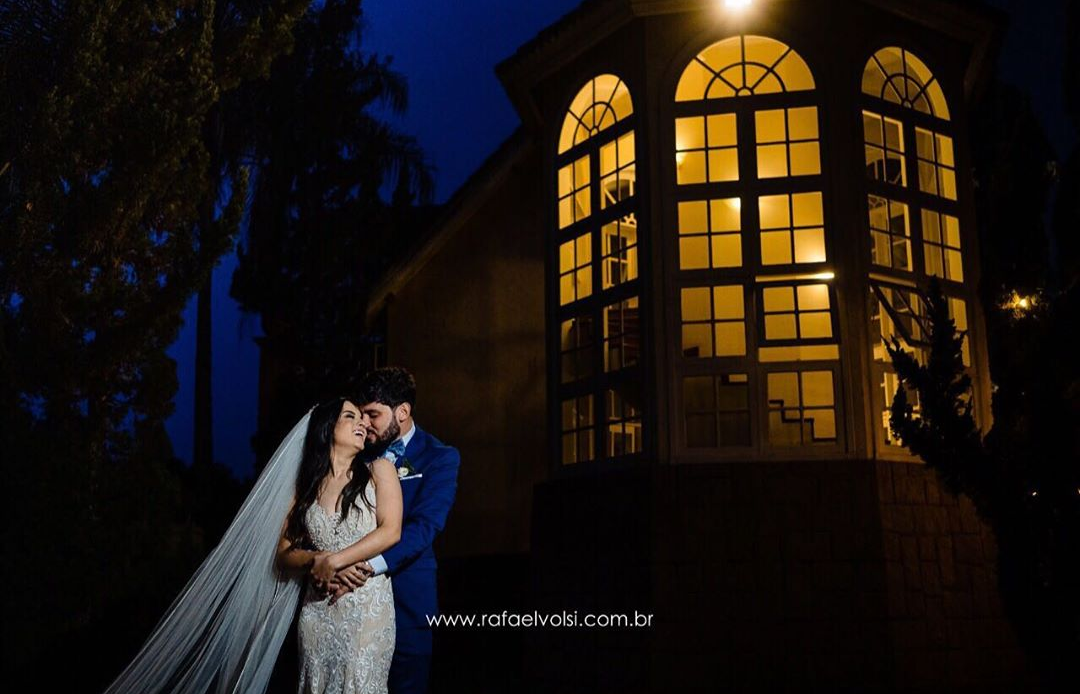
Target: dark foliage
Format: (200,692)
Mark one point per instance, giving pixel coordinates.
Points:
(103,166)
(321,227)
(1024,474)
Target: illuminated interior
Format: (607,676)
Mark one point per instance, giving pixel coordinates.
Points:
(752,99)
(751,277)
(903,103)
(898,77)
(597,247)
(890,233)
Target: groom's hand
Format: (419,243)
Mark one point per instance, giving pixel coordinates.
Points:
(354,576)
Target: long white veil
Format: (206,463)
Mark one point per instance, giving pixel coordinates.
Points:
(226,627)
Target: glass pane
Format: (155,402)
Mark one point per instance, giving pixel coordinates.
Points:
(817,389)
(566,180)
(945,151)
(726,250)
(697,340)
(894,135)
(732,394)
(626,149)
(948,183)
(777,299)
(783,389)
(924,144)
(803,123)
(608,159)
(805,159)
(954,266)
(931,226)
(813,297)
(815,325)
(809,245)
(726,214)
(769,126)
(780,327)
(772,161)
(807,209)
(721,130)
(566,257)
(694,253)
(693,217)
(872,131)
(734,429)
(728,302)
(776,248)
(952,231)
(698,394)
(691,167)
(730,339)
(695,304)
(723,165)
(701,430)
(822,425)
(689,133)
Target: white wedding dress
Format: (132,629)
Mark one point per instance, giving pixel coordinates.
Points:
(346,648)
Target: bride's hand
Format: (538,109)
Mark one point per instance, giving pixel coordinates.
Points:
(322,569)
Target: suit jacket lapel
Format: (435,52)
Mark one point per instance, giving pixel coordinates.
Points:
(417,444)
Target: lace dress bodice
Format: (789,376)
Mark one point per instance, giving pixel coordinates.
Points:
(346,647)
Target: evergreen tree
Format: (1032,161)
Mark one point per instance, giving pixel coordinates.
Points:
(320,229)
(103,168)
(1023,476)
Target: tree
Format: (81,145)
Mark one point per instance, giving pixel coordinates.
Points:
(1023,476)
(320,230)
(103,166)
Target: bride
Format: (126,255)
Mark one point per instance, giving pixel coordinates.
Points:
(315,509)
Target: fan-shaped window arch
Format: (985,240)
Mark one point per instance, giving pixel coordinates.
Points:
(598,330)
(601,103)
(900,77)
(743,66)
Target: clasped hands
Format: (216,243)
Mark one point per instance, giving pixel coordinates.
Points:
(334,580)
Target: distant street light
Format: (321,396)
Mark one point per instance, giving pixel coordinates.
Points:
(736,5)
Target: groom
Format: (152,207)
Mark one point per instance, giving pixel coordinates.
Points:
(428,471)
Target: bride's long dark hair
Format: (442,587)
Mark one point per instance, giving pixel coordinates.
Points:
(315,464)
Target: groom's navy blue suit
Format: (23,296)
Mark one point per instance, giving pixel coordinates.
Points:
(426,500)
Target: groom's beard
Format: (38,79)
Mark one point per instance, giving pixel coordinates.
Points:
(383,441)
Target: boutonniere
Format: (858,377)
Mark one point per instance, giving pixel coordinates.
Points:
(405,469)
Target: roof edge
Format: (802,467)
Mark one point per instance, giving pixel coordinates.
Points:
(468,197)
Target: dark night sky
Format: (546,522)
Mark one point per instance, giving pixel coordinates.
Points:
(447,49)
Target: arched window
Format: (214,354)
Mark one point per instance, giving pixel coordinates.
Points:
(758,355)
(899,77)
(596,250)
(912,214)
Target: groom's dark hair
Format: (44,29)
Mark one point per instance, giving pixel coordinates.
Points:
(390,386)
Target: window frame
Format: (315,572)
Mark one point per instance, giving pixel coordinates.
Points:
(749,188)
(598,382)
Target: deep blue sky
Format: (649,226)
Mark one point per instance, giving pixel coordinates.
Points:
(447,49)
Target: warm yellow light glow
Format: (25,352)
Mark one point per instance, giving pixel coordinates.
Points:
(795,277)
(734,203)
(1019,304)
(680,157)
(736,5)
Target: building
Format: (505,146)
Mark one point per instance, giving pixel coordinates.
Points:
(653,323)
